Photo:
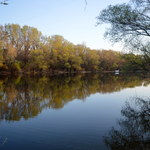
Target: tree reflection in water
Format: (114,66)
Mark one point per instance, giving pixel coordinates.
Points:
(26,97)
(134,132)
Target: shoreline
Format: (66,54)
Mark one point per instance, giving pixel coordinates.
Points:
(49,72)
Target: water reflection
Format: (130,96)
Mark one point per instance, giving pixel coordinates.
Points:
(26,96)
(134,132)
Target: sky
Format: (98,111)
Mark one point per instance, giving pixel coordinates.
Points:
(62,17)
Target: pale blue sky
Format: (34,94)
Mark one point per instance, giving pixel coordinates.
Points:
(63,17)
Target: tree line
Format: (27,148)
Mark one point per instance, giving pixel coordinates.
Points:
(23,47)
(26,48)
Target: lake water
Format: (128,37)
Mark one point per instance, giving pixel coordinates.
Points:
(75,112)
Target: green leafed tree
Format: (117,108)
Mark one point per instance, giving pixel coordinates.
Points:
(130,24)
(92,60)
(37,60)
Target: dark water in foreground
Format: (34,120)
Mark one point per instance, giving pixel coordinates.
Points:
(75,112)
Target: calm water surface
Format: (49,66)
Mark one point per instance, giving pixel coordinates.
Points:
(75,112)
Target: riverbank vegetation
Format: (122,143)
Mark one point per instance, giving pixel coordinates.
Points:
(26,49)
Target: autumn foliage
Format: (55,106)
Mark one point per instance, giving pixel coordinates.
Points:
(25,48)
